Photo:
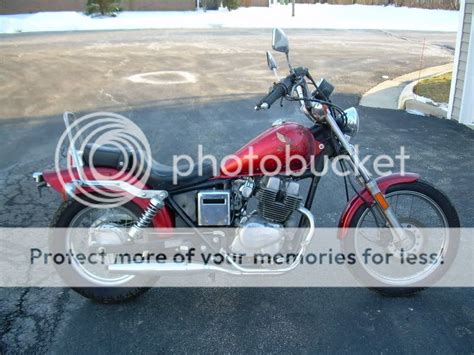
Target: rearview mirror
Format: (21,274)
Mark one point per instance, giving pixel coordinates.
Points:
(271,62)
(280,41)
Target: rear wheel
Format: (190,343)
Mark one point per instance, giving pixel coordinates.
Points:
(419,206)
(96,281)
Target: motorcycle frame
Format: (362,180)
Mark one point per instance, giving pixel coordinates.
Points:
(217,182)
(166,216)
(373,193)
(82,179)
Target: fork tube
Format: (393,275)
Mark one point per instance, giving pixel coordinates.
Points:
(370,183)
(360,169)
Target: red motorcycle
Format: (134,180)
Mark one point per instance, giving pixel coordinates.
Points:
(401,204)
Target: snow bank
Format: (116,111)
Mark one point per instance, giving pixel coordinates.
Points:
(318,16)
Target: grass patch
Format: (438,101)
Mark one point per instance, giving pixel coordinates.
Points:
(436,88)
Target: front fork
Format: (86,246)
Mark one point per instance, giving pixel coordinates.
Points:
(360,170)
(362,173)
(367,179)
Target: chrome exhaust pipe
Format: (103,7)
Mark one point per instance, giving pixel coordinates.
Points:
(234,269)
(172,268)
(154,268)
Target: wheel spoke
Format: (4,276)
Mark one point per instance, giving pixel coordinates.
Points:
(95,219)
(422,212)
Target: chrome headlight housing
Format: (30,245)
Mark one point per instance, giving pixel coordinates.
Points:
(351,126)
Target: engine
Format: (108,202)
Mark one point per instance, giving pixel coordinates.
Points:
(262,231)
(277,199)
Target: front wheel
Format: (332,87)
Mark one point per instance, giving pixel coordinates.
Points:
(431,225)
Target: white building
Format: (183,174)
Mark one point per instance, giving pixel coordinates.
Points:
(462,88)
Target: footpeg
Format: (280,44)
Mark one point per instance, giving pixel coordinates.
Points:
(39,180)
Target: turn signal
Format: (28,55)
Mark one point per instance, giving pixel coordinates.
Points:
(379,197)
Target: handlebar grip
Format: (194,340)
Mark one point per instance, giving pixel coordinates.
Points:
(277,92)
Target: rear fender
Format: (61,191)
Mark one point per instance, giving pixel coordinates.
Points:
(384,183)
(57,180)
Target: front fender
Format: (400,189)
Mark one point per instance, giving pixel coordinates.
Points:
(384,183)
(57,180)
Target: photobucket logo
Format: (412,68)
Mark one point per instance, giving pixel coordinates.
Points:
(102,146)
(249,164)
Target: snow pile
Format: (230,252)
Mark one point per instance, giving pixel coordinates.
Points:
(317,16)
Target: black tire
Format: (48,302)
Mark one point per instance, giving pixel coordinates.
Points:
(57,244)
(452,218)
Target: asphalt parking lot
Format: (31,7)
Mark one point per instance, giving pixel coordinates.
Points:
(45,74)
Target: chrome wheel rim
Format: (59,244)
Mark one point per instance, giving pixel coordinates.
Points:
(93,220)
(415,228)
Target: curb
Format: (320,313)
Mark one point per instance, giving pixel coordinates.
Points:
(420,105)
(387,94)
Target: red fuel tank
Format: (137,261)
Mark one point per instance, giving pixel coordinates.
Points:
(280,149)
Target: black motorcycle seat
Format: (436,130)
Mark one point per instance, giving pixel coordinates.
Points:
(161,177)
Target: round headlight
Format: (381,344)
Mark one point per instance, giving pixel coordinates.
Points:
(352,122)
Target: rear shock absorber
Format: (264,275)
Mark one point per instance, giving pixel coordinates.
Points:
(145,219)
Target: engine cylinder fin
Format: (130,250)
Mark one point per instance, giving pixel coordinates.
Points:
(275,203)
